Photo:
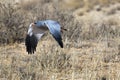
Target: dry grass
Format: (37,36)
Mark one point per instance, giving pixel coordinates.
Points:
(91,44)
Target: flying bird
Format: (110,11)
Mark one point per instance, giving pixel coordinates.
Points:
(36,31)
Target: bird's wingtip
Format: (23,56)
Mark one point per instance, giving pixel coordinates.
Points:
(31,44)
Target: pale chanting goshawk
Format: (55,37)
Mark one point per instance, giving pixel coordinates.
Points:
(36,31)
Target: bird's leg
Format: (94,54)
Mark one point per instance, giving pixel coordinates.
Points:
(63,29)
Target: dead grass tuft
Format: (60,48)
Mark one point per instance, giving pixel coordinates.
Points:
(91,44)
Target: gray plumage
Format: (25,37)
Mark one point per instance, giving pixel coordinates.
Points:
(36,31)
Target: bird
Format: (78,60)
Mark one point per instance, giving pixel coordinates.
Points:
(37,29)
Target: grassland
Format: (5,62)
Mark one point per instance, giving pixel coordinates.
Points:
(91,44)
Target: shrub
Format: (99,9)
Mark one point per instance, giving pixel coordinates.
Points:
(13,24)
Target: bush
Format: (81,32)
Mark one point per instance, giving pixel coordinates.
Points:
(15,20)
(13,24)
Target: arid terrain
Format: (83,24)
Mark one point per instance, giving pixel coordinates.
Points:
(91,43)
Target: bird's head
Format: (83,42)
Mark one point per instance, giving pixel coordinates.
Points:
(39,23)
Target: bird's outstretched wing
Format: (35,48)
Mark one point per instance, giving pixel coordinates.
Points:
(55,30)
(32,39)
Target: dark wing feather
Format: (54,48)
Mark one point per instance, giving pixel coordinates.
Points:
(31,43)
(54,28)
(33,36)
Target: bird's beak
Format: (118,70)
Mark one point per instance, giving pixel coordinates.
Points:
(33,24)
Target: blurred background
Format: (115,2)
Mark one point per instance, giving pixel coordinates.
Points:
(82,15)
(91,44)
